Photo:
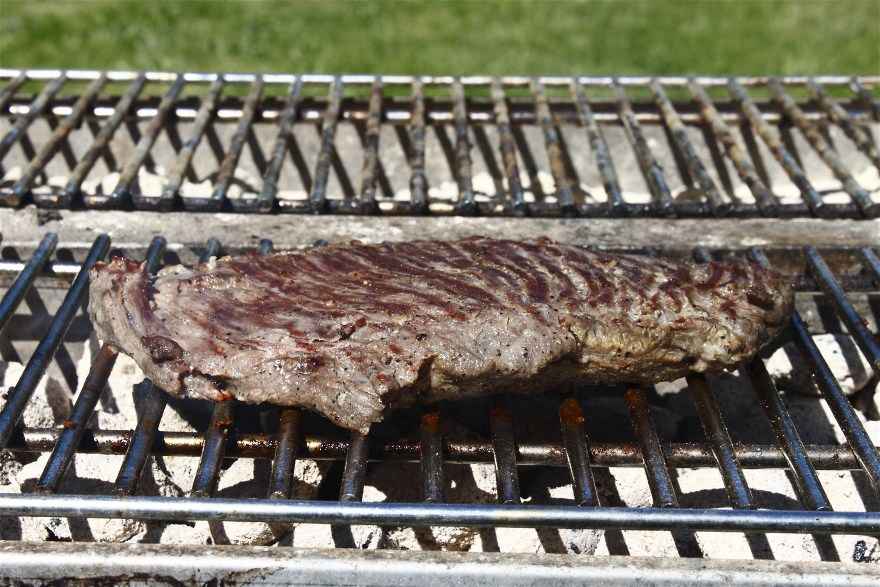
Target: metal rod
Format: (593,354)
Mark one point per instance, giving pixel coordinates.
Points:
(370,166)
(765,199)
(211,459)
(431,453)
(825,151)
(865,96)
(36,166)
(808,485)
(602,454)
(418,182)
(839,116)
(659,478)
(25,280)
(843,412)
(871,262)
(355,472)
(35,109)
(504,452)
(226,171)
(577,452)
(8,91)
(601,152)
(694,165)
(854,323)
(467,202)
(129,174)
(508,148)
(184,157)
(770,136)
(287,119)
(87,161)
(709,413)
(288,445)
(651,169)
(71,435)
(564,185)
(318,195)
(19,396)
(428,514)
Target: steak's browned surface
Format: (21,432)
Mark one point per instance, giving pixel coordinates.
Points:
(351,329)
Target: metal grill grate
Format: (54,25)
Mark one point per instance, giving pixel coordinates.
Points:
(433,449)
(548,146)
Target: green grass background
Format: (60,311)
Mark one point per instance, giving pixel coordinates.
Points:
(464,37)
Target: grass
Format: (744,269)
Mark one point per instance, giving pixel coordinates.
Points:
(492,37)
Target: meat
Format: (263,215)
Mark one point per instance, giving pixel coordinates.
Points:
(351,330)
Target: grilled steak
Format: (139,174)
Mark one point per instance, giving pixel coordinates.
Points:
(350,330)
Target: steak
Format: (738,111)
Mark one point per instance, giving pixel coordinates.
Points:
(351,330)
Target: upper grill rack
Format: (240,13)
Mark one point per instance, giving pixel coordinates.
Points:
(432,449)
(668,147)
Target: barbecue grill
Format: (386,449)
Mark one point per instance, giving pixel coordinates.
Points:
(180,167)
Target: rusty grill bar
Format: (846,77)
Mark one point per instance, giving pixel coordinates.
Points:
(432,449)
(526,124)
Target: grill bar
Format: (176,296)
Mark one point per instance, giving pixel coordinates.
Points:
(577,452)
(709,413)
(504,452)
(129,175)
(226,172)
(839,116)
(287,447)
(8,91)
(859,195)
(262,446)
(564,184)
(808,485)
(467,203)
(865,96)
(184,157)
(34,110)
(601,152)
(22,187)
(418,183)
(425,514)
(659,477)
(216,437)
(651,170)
(355,472)
(74,185)
(694,165)
(872,263)
(25,280)
(266,201)
(370,168)
(431,453)
(863,337)
(771,138)
(318,195)
(19,396)
(507,146)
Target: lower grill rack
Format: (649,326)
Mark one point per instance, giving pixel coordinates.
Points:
(733,426)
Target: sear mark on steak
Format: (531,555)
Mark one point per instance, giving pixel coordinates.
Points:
(354,329)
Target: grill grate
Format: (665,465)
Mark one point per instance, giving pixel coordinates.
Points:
(657,147)
(433,449)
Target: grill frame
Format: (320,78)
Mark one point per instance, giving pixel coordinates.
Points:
(575,452)
(464,112)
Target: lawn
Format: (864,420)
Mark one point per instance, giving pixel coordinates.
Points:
(713,37)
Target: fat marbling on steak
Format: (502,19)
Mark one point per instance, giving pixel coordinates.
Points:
(352,329)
